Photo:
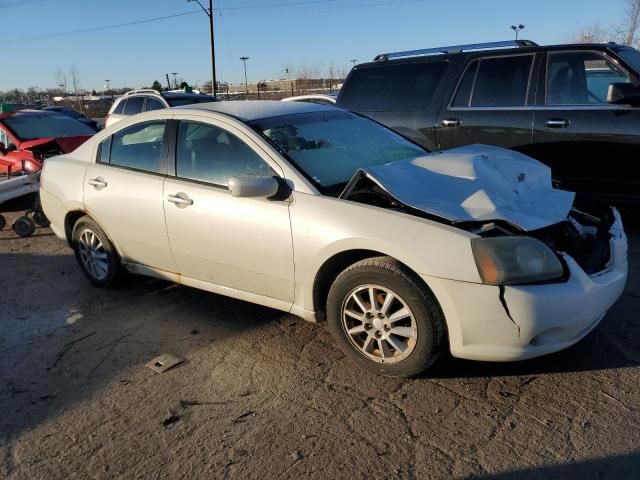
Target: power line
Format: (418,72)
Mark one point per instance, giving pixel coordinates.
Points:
(96,29)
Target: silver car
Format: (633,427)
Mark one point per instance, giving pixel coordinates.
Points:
(313,210)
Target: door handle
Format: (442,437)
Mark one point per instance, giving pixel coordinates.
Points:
(98,183)
(180,199)
(557,123)
(451,122)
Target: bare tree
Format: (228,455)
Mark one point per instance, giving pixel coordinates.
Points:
(594,33)
(627,30)
(75,83)
(61,80)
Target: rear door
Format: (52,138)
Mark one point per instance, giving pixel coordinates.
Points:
(123,193)
(591,145)
(492,104)
(397,95)
(240,243)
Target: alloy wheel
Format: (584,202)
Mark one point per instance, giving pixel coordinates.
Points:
(93,255)
(379,323)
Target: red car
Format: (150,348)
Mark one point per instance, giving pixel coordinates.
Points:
(28,137)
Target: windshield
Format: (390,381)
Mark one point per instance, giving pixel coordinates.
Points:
(329,147)
(30,127)
(631,56)
(178,102)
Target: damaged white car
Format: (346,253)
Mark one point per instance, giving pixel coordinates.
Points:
(319,212)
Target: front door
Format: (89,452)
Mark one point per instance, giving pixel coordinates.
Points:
(241,243)
(123,193)
(591,145)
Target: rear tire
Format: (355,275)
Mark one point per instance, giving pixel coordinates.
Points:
(3,222)
(400,333)
(95,253)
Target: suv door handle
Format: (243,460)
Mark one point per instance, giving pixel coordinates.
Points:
(451,122)
(98,183)
(557,123)
(181,199)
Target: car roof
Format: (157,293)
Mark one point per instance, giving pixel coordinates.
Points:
(491,51)
(34,113)
(181,95)
(250,110)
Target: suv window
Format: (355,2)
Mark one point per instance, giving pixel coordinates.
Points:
(211,154)
(581,78)
(120,106)
(463,95)
(406,86)
(134,105)
(502,82)
(153,104)
(138,146)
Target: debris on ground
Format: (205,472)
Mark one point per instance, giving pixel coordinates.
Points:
(164,362)
(170,419)
(296,455)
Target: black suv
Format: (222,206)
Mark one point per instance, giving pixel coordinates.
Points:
(573,107)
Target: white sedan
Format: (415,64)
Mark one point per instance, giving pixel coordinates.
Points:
(316,211)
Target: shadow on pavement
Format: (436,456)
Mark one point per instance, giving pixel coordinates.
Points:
(616,467)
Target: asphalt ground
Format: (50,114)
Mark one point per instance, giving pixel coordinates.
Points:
(263,394)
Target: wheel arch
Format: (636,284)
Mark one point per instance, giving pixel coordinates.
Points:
(72,217)
(334,265)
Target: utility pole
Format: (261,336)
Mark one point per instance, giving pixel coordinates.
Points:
(246,85)
(175,79)
(106,88)
(209,13)
(517,29)
(289,75)
(168,83)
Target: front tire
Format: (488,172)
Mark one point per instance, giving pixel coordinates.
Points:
(95,253)
(384,318)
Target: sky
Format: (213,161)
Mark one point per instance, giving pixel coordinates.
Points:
(274,34)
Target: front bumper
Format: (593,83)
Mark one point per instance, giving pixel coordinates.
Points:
(520,322)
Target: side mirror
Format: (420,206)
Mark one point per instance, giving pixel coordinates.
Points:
(624,94)
(253,186)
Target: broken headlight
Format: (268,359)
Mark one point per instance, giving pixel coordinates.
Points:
(515,260)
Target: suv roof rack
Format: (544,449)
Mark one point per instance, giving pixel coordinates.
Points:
(142,90)
(455,49)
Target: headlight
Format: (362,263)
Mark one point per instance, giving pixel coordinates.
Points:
(515,260)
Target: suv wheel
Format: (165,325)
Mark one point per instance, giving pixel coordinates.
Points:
(384,318)
(96,255)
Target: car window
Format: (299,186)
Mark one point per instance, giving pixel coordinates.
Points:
(330,146)
(134,105)
(581,78)
(210,154)
(463,95)
(631,56)
(119,107)
(502,82)
(187,100)
(104,150)
(153,104)
(32,126)
(392,87)
(138,146)
(4,138)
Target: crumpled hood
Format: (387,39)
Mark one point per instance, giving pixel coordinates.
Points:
(474,183)
(66,144)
